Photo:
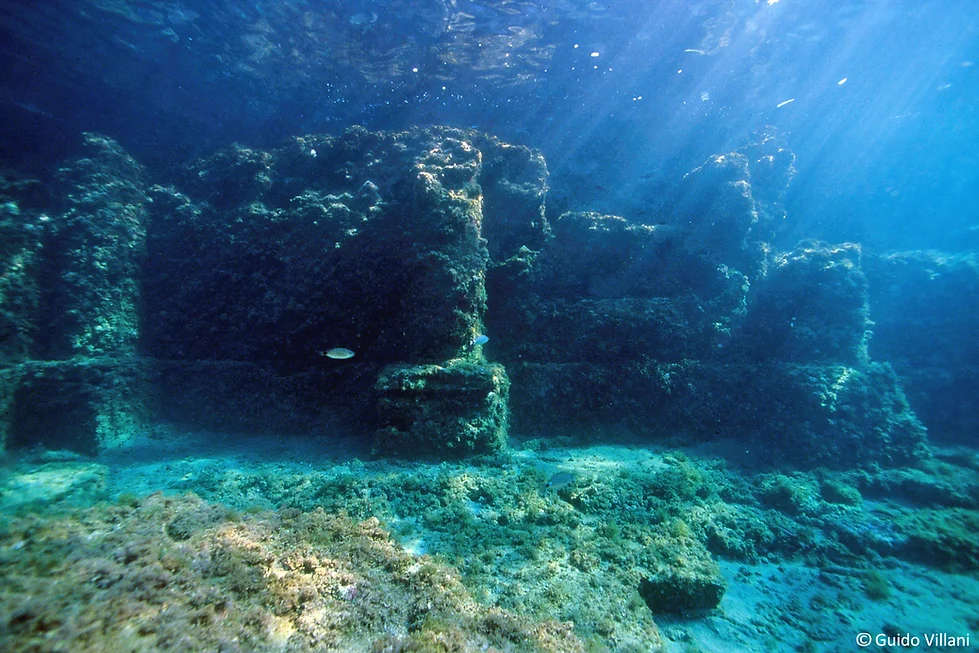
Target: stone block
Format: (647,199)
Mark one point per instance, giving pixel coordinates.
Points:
(453,410)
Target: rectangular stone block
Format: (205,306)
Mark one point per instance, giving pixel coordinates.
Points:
(445,411)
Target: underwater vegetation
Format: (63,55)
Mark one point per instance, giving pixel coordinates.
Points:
(631,549)
(167,573)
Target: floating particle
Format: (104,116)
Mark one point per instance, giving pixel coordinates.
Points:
(784,102)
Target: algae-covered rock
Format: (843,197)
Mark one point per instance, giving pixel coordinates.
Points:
(717,211)
(94,253)
(22,233)
(835,491)
(235,282)
(811,307)
(403,247)
(514,183)
(681,591)
(793,495)
(83,404)
(666,329)
(806,414)
(925,324)
(686,581)
(943,538)
(369,241)
(450,410)
(128,579)
(41,486)
(70,296)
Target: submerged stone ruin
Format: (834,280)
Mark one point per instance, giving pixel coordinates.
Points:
(212,299)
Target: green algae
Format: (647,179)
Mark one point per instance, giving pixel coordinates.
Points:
(875,585)
(631,520)
(290,580)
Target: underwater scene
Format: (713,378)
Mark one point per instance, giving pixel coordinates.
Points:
(489,325)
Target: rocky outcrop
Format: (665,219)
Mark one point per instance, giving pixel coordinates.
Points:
(683,591)
(375,242)
(925,323)
(217,301)
(205,577)
(367,241)
(75,383)
(225,292)
(22,226)
(696,327)
(810,307)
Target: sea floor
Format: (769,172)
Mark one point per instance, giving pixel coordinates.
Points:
(565,530)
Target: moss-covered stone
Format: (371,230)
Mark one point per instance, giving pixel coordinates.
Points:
(835,491)
(791,495)
(83,404)
(93,254)
(452,410)
(925,324)
(811,307)
(686,579)
(292,581)
(944,538)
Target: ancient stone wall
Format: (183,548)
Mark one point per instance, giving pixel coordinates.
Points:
(73,382)
(696,328)
(220,300)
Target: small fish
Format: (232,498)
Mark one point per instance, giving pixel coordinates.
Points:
(480,339)
(338,353)
(784,102)
(694,51)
